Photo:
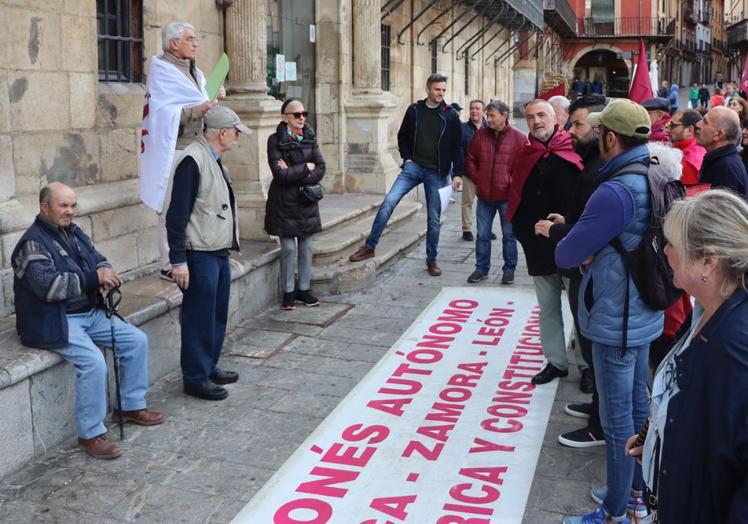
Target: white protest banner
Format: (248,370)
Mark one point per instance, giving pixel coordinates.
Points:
(446,428)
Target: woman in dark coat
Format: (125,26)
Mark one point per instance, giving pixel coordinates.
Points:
(295,161)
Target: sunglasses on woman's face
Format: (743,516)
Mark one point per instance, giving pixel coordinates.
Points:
(299,114)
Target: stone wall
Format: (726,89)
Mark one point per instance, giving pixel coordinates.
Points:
(59,123)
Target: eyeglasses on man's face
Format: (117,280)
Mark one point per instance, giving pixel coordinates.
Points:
(299,114)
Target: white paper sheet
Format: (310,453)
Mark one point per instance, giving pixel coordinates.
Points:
(445,194)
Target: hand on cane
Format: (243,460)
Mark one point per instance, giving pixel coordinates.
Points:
(108,279)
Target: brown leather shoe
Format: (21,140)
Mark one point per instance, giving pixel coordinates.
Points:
(142,417)
(100,447)
(362,253)
(433,269)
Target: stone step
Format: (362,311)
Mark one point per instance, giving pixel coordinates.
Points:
(343,275)
(340,241)
(337,210)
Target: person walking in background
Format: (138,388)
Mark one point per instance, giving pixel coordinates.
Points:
(477,121)
(664,90)
(694,457)
(430,143)
(176,102)
(544,175)
(729,93)
(489,164)
(718,133)
(202,227)
(717,98)
(693,96)
(296,161)
(704,96)
(673,98)
(682,128)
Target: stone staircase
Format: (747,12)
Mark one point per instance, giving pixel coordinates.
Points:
(344,232)
(37,388)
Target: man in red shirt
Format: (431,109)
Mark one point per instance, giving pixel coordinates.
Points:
(682,128)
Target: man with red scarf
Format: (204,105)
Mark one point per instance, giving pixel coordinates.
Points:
(659,114)
(545,175)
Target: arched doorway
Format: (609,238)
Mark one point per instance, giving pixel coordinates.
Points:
(604,67)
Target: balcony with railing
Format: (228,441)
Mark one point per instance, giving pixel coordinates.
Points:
(737,34)
(560,17)
(626,27)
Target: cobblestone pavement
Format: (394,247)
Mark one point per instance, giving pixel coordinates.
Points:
(209,458)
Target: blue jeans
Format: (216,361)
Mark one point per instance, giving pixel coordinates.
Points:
(621,379)
(85,332)
(484,215)
(412,175)
(205,313)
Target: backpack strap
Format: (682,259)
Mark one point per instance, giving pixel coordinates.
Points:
(635,169)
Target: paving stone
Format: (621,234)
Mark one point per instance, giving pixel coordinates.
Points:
(155,503)
(323,315)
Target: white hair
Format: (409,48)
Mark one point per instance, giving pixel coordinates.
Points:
(173,31)
(549,107)
(562,101)
(669,157)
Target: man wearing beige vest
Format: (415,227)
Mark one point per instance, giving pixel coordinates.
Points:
(202,227)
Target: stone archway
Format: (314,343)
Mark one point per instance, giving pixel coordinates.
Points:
(603,67)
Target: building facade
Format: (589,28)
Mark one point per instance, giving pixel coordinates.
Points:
(72,86)
(599,40)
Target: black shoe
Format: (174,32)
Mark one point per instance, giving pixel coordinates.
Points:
(549,373)
(585,437)
(467,235)
(587,382)
(305,296)
(477,276)
(493,235)
(220,376)
(507,278)
(206,391)
(581,410)
(289,299)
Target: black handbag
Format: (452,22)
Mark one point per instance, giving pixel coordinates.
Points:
(311,194)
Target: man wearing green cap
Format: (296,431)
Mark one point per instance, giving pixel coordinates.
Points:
(619,208)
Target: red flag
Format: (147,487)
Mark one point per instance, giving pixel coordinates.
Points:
(641,88)
(559,90)
(744,80)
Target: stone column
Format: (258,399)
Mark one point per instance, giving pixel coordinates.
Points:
(370,167)
(246,42)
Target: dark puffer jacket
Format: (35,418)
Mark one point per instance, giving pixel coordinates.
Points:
(287,213)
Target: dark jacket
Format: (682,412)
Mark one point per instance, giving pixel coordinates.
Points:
(287,213)
(468,132)
(582,192)
(724,168)
(449,150)
(489,162)
(703,473)
(52,276)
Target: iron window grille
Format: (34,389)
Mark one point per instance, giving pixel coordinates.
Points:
(386,39)
(119,27)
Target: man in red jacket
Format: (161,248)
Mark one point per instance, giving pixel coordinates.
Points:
(682,127)
(489,165)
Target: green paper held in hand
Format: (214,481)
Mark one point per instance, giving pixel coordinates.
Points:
(217,77)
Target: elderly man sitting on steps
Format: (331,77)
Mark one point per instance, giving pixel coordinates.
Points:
(57,279)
